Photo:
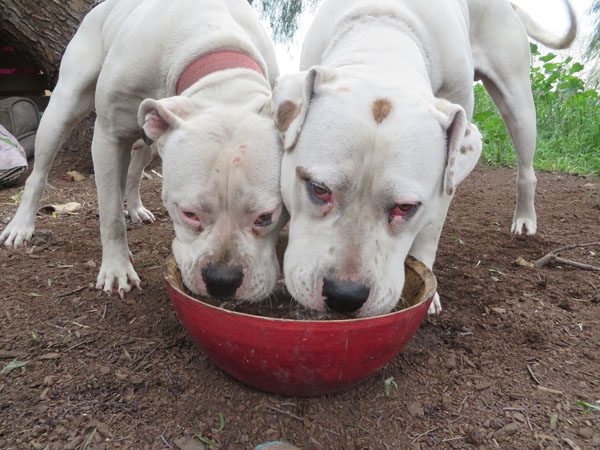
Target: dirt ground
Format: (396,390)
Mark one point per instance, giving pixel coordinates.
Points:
(504,365)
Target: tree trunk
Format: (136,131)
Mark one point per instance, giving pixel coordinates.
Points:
(41,30)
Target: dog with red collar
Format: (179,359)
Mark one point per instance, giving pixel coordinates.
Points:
(196,76)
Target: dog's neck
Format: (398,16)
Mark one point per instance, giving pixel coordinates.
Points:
(215,62)
(408,64)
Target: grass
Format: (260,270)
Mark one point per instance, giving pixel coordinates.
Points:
(568,120)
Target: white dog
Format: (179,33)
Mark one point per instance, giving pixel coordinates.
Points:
(377,137)
(211,66)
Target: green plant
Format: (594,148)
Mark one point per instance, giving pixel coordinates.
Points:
(568,120)
(387,384)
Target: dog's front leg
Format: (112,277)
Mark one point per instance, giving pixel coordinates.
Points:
(111,160)
(141,155)
(426,243)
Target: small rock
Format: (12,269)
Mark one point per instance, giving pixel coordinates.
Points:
(585,433)
(475,436)
(451,361)
(74,443)
(499,310)
(447,401)
(481,385)
(40,237)
(101,428)
(520,261)
(189,443)
(416,410)
(506,431)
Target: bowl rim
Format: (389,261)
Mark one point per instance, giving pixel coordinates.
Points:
(424,272)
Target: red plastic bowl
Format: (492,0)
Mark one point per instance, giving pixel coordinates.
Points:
(302,357)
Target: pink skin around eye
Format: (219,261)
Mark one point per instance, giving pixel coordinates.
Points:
(274,217)
(324,197)
(330,200)
(400,211)
(190,216)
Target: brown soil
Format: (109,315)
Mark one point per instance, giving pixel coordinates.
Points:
(503,366)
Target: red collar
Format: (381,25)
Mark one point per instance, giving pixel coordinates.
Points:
(213,62)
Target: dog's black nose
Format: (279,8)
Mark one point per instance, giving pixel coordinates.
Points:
(222,280)
(344,296)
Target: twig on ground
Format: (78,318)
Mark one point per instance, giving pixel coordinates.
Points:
(287,413)
(553,257)
(533,375)
(453,439)
(462,404)
(424,434)
(74,291)
(80,344)
(552,391)
(301,419)
(162,436)
(521,410)
(104,313)
(142,359)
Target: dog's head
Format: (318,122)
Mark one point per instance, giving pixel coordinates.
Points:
(365,169)
(221,172)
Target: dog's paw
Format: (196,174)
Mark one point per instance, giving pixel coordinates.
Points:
(524,226)
(117,276)
(15,235)
(139,215)
(436,305)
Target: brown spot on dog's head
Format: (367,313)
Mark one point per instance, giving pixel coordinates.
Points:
(464,150)
(286,114)
(381,109)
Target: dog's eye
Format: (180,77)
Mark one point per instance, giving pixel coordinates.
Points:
(319,192)
(403,210)
(190,217)
(264,220)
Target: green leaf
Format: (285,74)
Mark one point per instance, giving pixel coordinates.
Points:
(34,294)
(587,407)
(533,48)
(548,57)
(14,364)
(16,198)
(387,384)
(482,116)
(576,67)
(206,441)
(553,421)
(221,422)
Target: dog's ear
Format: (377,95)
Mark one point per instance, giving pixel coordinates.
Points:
(291,97)
(157,116)
(463,142)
